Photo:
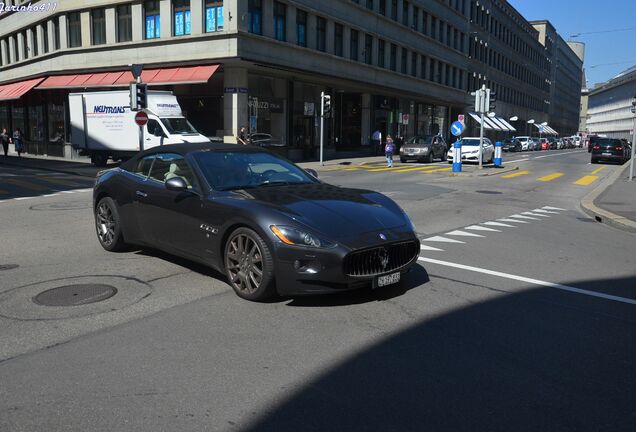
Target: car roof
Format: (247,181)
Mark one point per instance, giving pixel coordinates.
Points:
(186,148)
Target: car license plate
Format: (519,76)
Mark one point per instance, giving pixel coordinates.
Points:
(606,154)
(387,279)
(411,154)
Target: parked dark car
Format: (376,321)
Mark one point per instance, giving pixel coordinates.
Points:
(553,143)
(265,223)
(511,145)
(424,148)
(609,149)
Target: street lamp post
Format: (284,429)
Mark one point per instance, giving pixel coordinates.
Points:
(631,161)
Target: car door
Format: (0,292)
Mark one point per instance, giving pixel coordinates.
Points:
(175,218)
(441,147)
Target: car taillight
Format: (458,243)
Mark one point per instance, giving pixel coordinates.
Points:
(596,147)
(619,148)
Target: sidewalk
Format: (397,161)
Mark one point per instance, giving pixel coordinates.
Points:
(614,201)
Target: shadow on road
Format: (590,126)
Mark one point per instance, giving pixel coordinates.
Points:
(539,360)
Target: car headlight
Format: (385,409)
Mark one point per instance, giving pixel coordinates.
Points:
(294,236)
(408,219)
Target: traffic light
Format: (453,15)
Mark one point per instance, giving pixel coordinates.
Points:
(138,96)
(327,104)
(492,101)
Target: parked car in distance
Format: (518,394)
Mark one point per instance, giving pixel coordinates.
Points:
(609,149)
(424,148)
(560,144)
(553,143)
(526,142)
(512,145)
(470,150)
(537,144)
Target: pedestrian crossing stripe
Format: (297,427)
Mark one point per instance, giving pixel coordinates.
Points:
(550,177)
(422,168)
(586,180)
(596,171)
(517,174)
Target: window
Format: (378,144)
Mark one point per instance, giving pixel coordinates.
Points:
(45,36)
(405,13)
(403,61)
(337,39)
(124,23)
(354,44)
(321,29)
(152,19)
(414,58)
(56,34)
(213,16)
(381,53)
(74,30)
(370,4)
(424,22)
(301,27)
(433,28)
(34,39)
(170,165)
(416,19)
(394,8)
(98,27)
(393,64)
(182,17)
(280,14)
(382,7)
(255,14)
(144,165)
(368,49)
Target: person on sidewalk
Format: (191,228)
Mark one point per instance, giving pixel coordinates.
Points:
(241,138)
(376,141)
(4,140)
(18,141)
(388,151)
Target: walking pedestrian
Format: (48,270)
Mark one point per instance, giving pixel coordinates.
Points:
(241,138)
(4,140)
(376,141)
(388,151)
(18,141)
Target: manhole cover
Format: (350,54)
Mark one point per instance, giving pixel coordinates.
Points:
(75,295)
(489,192)
(8,266)
(74,205)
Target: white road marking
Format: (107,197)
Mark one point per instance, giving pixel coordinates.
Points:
(430,248)
(463,234)
(530,280)
(534,214)
(24,198)
(555,154)
(553,208)
(480,228)
(499,224)
(513,220)
(520,216)
(443,240)
(545,211)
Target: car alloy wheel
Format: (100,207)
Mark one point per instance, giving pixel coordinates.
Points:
(249,265)
(107,224)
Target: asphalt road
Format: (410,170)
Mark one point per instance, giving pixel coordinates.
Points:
(519,317)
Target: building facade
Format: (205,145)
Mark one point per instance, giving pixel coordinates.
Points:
(403,67)
(609,106)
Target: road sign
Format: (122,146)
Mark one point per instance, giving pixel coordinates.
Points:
(460,118)
(457,128)
(541,129)
(141,118)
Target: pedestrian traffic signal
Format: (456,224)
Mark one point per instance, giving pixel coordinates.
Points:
(138,96)
(492,101)
(326,104)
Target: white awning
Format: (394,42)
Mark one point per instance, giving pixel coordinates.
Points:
(494,123)
(476,117)
(547,130)
(499,123)
(510,127)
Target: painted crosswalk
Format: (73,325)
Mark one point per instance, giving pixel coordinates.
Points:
(20,186)
(482,231)
(577,179)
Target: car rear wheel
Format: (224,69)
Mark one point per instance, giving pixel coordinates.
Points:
(249,265)
(108,225)
(429,158)
(443,159)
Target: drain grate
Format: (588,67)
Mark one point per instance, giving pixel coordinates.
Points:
(8,266)
(75,295)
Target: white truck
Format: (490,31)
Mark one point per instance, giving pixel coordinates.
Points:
(103,126)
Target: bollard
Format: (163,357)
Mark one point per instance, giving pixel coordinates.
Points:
(457,156)
(498,154)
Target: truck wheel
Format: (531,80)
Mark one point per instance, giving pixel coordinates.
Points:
(99,159)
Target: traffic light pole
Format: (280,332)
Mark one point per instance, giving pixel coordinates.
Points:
(322,123)
(481,140)
(141,128)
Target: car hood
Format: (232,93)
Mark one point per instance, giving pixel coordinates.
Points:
(335,212)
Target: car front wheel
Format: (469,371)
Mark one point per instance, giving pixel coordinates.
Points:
(108,225)
(249,265)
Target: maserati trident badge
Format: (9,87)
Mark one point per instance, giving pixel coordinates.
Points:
(382,236)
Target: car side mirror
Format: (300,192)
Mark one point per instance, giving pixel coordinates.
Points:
(176,184)
(312,172)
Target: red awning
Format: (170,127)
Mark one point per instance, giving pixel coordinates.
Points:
(179,75)
(16,90)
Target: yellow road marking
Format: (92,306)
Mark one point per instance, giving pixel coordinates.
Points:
(58,181)
(550,177)
(420,168)
(351,169)
(437,170)
(27,185)
(381,169)
(586,180)
(517,174)
(598,169)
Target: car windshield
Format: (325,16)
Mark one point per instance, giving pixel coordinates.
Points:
(472,142)
(229,170)
(420,140)
(178,126)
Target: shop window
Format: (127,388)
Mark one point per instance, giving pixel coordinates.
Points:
(182,17)
(98,27)
(55,122)
(124,23)
(301,27)
(280,15)
(337,40)
(354,45)
(213,16)
(255,16)
(74,30)
(381,53)
(152,19)
(368,49)
(321,29)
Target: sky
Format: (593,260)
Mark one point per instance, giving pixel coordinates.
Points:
(602,50)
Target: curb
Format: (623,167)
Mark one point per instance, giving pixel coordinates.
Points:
(604,216)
